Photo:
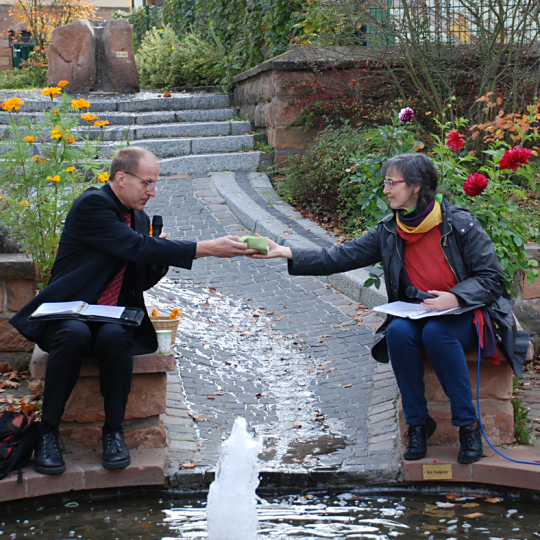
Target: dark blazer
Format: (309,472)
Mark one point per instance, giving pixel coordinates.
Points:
(94,246)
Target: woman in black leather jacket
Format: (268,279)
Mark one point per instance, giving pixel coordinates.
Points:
(442,249)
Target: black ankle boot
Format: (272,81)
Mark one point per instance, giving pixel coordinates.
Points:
(417,438)
(470,444)
(115,452)
(48,458)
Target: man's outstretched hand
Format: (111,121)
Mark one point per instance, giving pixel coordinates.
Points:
(224,247)
(275,251)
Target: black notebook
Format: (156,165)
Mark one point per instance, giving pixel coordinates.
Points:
(89,312)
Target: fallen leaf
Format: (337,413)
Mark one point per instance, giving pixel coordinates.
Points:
(280,317)
(452,496)
(219,393)
(258,396)
(494,500)
(475,515)
(347,386)
(5,367)
(470,505)
(296,426)
(212,289)
(28,408)
(345,329)
(256,315)
(270,312)
(167,94)
(210,397)
(320,341)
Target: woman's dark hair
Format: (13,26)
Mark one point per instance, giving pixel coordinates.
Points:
(417,170)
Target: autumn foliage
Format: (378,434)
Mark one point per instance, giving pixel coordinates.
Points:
(41,17)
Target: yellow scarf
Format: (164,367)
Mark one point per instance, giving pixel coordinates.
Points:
(433,219)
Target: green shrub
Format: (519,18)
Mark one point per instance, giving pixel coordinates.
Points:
(26,77)
(165,61)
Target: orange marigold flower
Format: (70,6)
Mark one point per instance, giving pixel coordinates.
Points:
(103,177)
(24,203)
(154,313)
(70,169)
(79,103)
(63,83)
(71,139)
(36,158)
(52,91)
(55,178)
(175,313)
(12,103)
(101,123)
(89,117)
(29,139)
(56,133)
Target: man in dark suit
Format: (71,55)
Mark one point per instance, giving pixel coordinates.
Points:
(106,256)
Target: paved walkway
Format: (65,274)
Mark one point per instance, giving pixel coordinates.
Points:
(291,354)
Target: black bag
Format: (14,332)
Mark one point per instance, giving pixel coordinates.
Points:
(17,442)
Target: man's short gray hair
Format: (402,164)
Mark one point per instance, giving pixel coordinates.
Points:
(128,159)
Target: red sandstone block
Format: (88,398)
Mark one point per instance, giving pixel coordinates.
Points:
(414,471)
(45,484)
(295,138)
(497,419)
(145,433)
(530,291)
(10,490)
(148,397)
(495,381)
(11,340)
(147,468)
(280,113)
(282,82)
(19,293)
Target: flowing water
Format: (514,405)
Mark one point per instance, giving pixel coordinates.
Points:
(381,515)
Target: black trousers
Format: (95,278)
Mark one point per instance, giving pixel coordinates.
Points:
(68,343)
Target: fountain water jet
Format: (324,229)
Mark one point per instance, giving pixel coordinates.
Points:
(231,511)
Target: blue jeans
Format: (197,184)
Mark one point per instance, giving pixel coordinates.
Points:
(445,339)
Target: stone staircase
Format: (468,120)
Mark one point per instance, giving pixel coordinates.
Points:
(188,133)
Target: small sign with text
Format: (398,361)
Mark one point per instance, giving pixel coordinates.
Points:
(437,472)
(121,54)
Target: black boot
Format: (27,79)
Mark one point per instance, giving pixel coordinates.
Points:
(470,444)
(48,458)
(115,452)
(417,438)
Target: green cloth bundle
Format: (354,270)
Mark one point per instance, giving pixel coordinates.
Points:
(260,243)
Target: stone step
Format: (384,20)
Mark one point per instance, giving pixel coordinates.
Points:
(139,105)
(165,131)
(143,119)
(168,148)
(234,161)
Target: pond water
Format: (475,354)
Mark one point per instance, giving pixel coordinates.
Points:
(381,515)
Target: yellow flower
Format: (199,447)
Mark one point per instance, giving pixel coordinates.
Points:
(35,159)
(89,117)
(12,103)
(24,203)
(70,169)
(1,197)
(63,83)
(29,139)
(79,103)
(101,123)
(56,111)
(103,177)
(52,91)
(71,139)
(56,133)
(54,178)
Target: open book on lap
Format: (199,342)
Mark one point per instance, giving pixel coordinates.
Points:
(409,310)
(90,312)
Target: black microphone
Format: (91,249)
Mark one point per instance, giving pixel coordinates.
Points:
(413,292)
(157,225)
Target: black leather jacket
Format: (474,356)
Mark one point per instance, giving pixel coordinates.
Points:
(469,252)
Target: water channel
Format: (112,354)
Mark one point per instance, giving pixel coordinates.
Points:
(377,515)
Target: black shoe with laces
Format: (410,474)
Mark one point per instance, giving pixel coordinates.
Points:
(470,444)
(417,438)
(115,452)
(48,458)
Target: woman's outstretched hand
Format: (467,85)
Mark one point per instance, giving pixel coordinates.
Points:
(274,251)
(444,300)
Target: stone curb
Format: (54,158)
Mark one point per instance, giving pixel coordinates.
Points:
(258,220)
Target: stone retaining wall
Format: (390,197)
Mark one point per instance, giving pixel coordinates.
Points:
(17,287)
(527,308)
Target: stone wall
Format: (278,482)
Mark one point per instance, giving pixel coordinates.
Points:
(527,308)
(17,287)
(264,93)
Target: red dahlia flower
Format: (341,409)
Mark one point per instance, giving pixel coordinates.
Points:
(515,158)
(454,141)
(475,185)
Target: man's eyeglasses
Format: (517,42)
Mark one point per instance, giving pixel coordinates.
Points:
(390,183)
(149,185)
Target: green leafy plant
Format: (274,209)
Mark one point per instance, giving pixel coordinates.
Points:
(31,75)
(522,433)
(47,162)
